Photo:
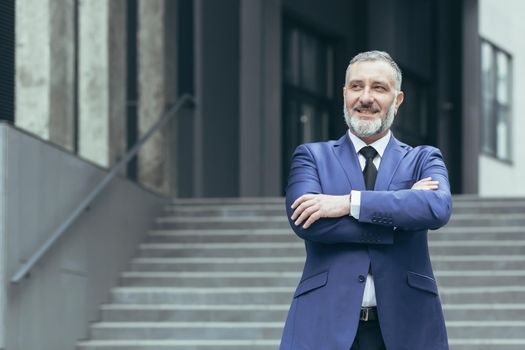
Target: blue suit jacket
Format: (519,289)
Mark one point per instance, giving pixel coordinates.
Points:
(391,235)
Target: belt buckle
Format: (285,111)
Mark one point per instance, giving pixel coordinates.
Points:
(364,314)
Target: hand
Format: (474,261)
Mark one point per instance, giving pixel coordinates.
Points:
(426,184)
(312,207)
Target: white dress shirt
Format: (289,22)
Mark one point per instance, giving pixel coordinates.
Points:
(369,296)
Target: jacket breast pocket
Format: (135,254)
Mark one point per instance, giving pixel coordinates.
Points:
(422,282)
(311,283)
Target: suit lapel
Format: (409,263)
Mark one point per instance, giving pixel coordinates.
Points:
(347,157)
(389,163)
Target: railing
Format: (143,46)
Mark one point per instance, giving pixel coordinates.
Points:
(26,268)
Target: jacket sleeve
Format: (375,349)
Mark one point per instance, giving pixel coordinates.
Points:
(304,179)
(412,209)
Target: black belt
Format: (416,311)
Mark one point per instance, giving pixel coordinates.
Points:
(368,314)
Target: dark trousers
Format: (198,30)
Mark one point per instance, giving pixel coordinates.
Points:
(368,337)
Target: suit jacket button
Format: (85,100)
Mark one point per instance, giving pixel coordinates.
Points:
(361,278)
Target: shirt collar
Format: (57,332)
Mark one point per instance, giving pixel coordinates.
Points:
(379,145)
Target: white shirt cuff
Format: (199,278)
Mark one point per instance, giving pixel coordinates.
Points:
(355,203)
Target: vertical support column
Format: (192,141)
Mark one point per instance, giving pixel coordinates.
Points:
(260,98)
(102,80)
(217,89)
(448,90)
(157,91)
(471,93)
(45,69)
(4,278)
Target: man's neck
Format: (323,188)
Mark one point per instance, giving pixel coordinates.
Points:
(371,139)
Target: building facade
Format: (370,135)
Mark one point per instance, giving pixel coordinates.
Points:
(267,75)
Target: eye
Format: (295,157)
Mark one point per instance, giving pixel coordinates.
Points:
(355,86)
(380,88)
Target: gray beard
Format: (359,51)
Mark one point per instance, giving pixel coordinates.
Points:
(367,128)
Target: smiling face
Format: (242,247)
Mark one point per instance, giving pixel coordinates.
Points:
(371,99)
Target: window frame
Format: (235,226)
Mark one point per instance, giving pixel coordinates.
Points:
(492,150)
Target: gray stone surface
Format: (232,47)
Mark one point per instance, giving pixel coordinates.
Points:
(157,90)
(44,72)
(102,81)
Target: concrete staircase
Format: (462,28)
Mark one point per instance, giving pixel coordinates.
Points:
(220,273)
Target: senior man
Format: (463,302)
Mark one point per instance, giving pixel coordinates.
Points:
(363,205)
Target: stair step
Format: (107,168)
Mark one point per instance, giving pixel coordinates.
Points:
(487,344)
(480,278)
(226,210)
(189,295)
(218,235)
(139,344)
(487,312)
(219,264)
(477,247)
(228,200)
(187,330)
(486,329)
(192,313)
(210,279)
(484,294)
(222,249)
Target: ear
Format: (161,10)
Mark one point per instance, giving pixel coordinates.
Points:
(400,98)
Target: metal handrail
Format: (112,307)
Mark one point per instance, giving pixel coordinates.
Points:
(26,268)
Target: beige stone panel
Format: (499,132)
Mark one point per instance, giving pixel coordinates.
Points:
(102,81)
(32,66)
(118,79)
(153,161)
(62,73)
(93,81)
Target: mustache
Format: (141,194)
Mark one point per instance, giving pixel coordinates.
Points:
(366,107)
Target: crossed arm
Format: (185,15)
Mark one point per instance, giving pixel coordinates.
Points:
(318,217)
(311,207)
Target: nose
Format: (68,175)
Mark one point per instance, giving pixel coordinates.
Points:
(366,97)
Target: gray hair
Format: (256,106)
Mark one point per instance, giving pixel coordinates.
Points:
(378,56)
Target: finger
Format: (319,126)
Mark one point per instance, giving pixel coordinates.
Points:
(427,186)
(306,214)
(301,199)
(298,210)
(424,182)
(313,218)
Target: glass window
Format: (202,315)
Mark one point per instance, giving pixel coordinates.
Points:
(307,87)
(496,89)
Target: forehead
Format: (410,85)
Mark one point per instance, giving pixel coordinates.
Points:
(371,71)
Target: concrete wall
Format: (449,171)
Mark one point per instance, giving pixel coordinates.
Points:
(505,29)
(39,186)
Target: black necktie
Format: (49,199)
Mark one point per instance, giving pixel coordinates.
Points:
(370,171)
